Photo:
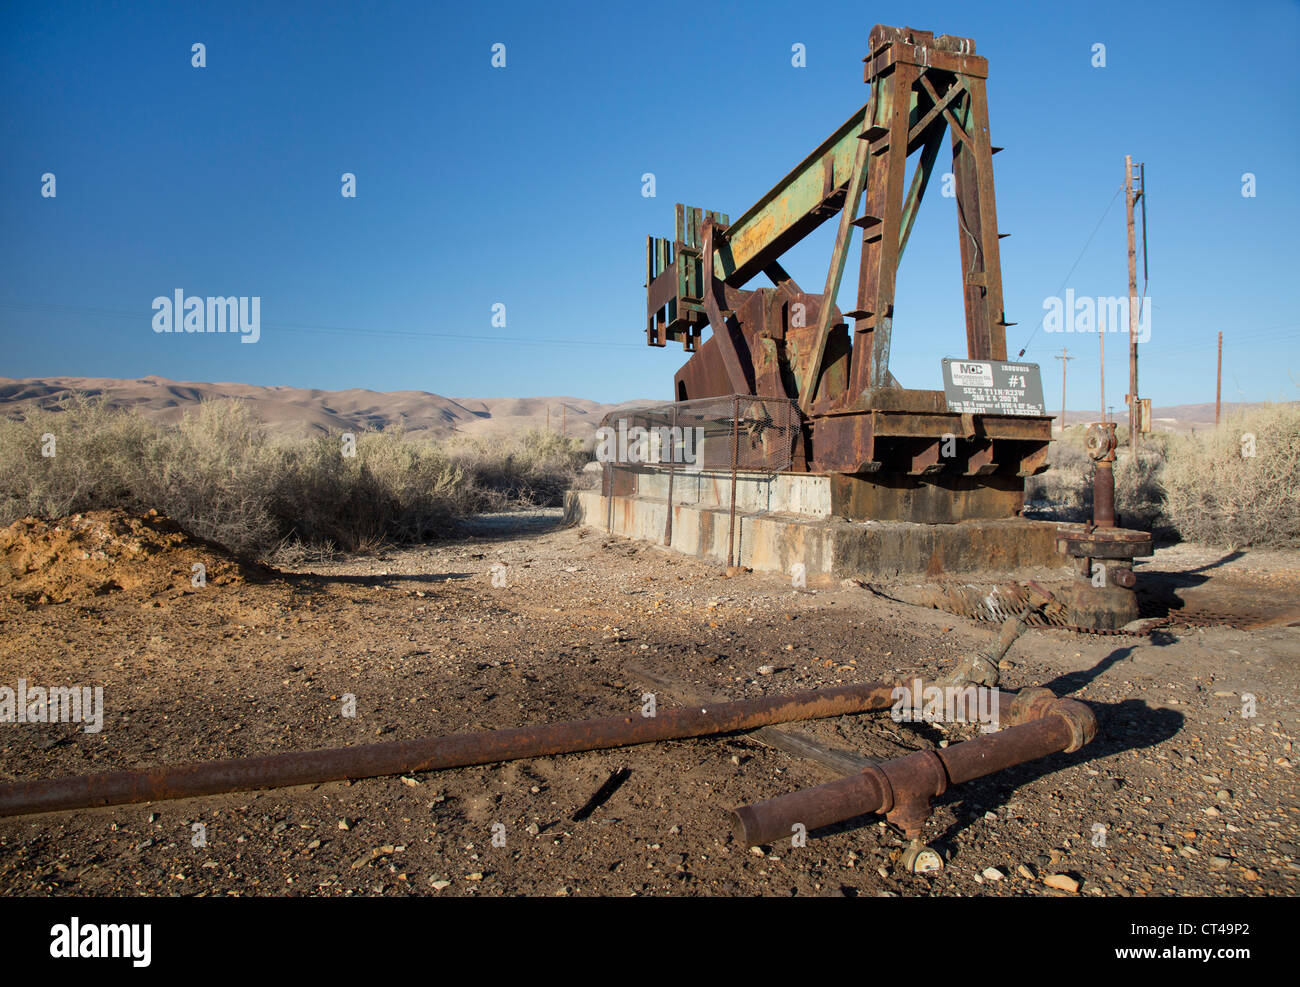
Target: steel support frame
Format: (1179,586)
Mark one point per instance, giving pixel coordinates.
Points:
(915,101)
(922,89)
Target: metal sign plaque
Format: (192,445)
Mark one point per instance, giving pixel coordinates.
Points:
(992,387)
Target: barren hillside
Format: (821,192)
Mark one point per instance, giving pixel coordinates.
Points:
(295,410)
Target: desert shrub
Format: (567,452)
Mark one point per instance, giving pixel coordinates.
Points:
(1139,494)
(73,457)
(1064,491)
(1196,487)
(213,474)
(536,468)
(221,476)
(391,490)
(1217,493)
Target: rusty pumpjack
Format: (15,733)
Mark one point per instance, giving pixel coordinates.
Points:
(883,445)
(891,453)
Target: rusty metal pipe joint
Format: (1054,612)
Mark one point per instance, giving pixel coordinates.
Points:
(902,789)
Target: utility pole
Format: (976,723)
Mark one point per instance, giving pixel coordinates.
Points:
(548,418)
(1065,358)
(1101,339)
(1130,200)
(1218,381)
(564,415)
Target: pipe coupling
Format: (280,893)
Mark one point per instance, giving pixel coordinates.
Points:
(883,786)
(1080,719)
(1030,704)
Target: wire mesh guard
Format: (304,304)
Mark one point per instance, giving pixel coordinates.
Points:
(731,432)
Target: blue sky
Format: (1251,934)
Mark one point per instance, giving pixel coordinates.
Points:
(522,185)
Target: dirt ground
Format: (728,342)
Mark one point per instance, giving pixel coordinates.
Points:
(1179,794)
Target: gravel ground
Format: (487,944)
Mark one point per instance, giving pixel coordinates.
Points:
(522,621)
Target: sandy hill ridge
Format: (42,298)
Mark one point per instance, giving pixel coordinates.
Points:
(302,411)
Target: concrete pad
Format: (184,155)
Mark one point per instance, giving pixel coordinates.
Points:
(775,541)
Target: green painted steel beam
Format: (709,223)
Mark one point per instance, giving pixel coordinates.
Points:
(789,212)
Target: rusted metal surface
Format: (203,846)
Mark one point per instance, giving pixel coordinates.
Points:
(1100,444)
(910,433)
(811,374)
(1103,495)
(792,742)
(433,754)
(1102,596)
(996,603)
(1089,541)
(673,437)
(735,453)
(936,499)
(784,342)
(739,378)
(902,789)
(759,434)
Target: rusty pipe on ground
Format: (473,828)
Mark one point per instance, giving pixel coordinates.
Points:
(434,753)
(982,669)
(901,789)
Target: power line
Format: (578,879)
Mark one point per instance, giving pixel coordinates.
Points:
(1262,335)
(1065,279)
(1265,334)
(313,328)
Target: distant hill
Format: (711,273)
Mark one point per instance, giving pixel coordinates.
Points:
(1175,418)
(300,411)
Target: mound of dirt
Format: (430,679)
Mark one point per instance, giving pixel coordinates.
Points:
(102,552)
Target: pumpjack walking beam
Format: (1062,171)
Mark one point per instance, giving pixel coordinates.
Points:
(920,88)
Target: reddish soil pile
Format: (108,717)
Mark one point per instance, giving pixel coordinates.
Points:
(104,552)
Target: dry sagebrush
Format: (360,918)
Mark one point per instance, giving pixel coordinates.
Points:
(1217,493)
(220,475)
(1196,487)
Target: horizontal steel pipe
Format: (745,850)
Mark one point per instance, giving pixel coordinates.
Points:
(434,753)
(902,788)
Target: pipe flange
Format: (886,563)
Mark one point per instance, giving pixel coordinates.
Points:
(940,772)
(1080,719)
(1030,704)
(886,790)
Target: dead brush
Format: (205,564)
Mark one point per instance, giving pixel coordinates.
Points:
(222,476)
